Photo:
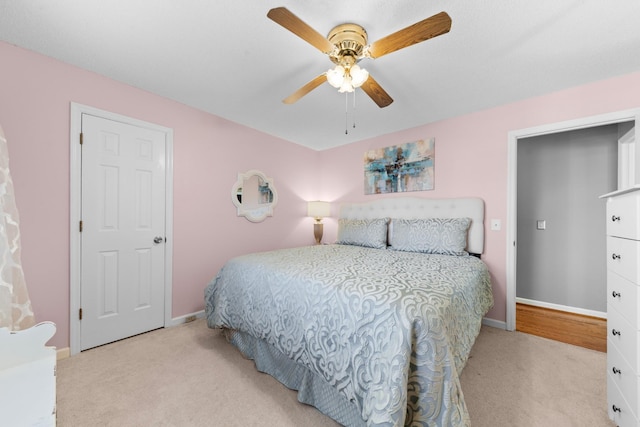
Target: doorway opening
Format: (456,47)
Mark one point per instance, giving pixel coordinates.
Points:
(512,190)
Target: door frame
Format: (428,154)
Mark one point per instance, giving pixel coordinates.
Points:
(512,187)
(76,206)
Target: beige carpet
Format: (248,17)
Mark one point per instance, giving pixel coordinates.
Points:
(190,376)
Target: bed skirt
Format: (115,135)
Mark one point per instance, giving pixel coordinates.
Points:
(311,388)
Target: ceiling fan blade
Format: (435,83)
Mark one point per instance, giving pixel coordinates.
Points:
(282,16)
(375,92)
(426,29)
(305,89)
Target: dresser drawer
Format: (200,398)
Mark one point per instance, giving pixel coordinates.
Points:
(625,378)
(624,336)
(617,407)
(622,257)
(623,296)
(623,216)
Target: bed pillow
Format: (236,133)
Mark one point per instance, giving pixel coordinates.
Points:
(446,236)
(371,233)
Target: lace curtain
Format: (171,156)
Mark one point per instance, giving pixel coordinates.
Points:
(15,306)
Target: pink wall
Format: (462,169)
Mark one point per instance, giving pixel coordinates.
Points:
(471,157)
(35,92)
(35,96)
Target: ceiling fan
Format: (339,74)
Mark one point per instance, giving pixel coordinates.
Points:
(346,45)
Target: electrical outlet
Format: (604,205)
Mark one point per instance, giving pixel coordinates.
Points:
(496,225)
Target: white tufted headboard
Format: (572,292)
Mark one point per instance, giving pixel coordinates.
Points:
(417,208)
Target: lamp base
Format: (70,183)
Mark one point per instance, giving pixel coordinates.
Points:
(317,232)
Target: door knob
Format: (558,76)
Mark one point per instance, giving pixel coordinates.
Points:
(158,239)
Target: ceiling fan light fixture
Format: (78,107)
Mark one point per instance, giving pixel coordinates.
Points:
(347,79)
(358,76)
(347,86)
(336,76)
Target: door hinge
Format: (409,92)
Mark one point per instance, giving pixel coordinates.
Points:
(80,226)
(80,314)
(81,138)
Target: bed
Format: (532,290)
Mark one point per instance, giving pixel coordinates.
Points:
(375,329)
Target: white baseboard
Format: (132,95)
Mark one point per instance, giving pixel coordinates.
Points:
(568,309)
(494,323)
(63,353)
(186,318)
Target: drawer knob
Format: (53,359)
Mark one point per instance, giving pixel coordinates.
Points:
(615,218)
(615,408)
(614,332)
(615,294)
(616,370)
(615,256)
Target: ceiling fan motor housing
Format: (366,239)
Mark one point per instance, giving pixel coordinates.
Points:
(349,41)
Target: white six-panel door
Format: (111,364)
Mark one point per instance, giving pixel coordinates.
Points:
(123,230)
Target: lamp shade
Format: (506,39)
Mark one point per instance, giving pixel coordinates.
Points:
(318,209)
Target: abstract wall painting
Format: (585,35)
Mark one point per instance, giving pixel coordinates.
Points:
(400,168)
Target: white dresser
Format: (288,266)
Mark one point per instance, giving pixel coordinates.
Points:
(623,301)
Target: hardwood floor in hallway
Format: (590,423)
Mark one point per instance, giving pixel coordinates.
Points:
(577,329)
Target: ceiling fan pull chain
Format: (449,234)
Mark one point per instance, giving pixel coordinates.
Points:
(354,108)
(346,113)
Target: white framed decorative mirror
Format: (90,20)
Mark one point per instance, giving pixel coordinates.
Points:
(254,195)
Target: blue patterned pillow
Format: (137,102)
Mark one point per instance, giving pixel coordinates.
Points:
(446,236)
(371,233)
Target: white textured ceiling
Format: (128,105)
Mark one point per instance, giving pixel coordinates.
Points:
(227,58)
